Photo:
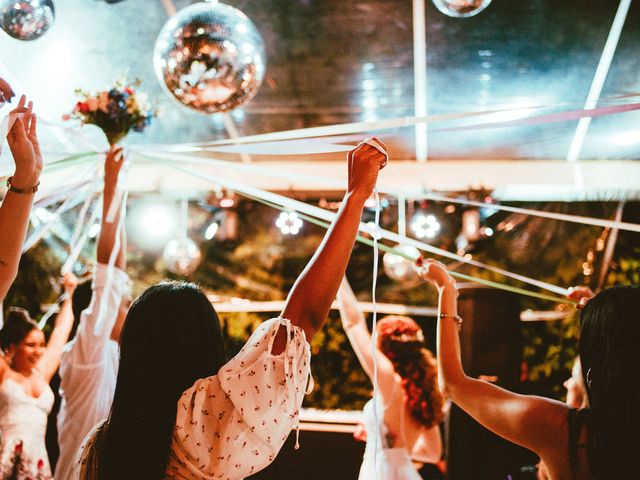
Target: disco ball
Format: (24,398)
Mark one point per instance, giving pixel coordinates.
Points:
(461,8)
(181,256)
(399,268)
(26,19)
(210,57)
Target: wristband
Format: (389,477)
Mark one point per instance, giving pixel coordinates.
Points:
(457,318)
(25,191)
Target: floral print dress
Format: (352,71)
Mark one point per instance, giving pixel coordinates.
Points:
(23,421)
(233,424)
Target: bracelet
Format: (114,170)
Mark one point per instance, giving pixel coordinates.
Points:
(26,191)
(457,318)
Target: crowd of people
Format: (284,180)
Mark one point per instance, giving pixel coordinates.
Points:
(146,393)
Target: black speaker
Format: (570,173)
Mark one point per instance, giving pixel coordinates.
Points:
(490,338)
(491,348)
(322,455)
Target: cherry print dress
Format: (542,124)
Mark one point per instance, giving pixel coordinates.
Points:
(233,424)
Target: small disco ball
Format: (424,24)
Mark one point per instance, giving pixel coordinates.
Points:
(26,19)
(210,57)
(461,8)
(399,268)
(182,256)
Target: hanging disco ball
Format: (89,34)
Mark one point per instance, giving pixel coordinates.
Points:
(399,268)
(182,256)
(26,19)
(210,57)
(461,8)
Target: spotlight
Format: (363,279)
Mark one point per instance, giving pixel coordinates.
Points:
(370,202)
(471,225)
(227,202)
(371,229)
(153,224)
(425,226)
(289,223)
(211,230)
(94,230)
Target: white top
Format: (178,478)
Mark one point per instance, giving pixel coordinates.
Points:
(89,368)
(233,424)
(383,461)
(23,420)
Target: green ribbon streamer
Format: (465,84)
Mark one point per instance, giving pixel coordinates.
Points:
(385,248)
(70,160)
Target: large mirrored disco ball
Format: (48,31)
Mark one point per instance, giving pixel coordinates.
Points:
(26,19)
(181,256)
(210,57)
(461,8)
(397,267)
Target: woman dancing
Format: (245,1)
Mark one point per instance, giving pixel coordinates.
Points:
(597,442)
(408,403)
(25,396)
(179,412)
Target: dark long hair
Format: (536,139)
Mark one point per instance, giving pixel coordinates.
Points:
(608,347)
(171,338)
(17,326)
(401,340)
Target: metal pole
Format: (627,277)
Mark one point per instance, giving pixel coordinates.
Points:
(599,78)
(420,76)
(608,252)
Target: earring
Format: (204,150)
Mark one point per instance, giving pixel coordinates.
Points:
(589,378)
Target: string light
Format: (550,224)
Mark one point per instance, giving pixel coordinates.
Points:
(425,226)
(289,223)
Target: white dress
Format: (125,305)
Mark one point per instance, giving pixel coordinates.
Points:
(89,368)
(23,421)
(233,424)
(381,461)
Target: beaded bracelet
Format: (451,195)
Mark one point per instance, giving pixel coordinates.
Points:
(26,191)
(457,318)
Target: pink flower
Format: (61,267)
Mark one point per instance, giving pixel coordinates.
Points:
(103,101)
(66,116)
(93,103)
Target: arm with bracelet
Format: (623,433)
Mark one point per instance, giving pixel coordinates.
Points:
(22,185)
(537,423)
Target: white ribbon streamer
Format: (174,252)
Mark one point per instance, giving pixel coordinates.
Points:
(598,222)
(329,183)
(329,217)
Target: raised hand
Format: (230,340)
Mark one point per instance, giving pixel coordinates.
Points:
(435,272)
(581,295)
(69,282)
(23,142)
(365,162)
(6,93)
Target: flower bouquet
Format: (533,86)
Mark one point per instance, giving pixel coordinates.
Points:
(115,111)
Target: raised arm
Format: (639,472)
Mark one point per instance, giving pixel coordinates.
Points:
(16,206)
(6,93)
(108,231)
(535,423)
(105,305)
(50,359)
(355,327)
(314,291)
